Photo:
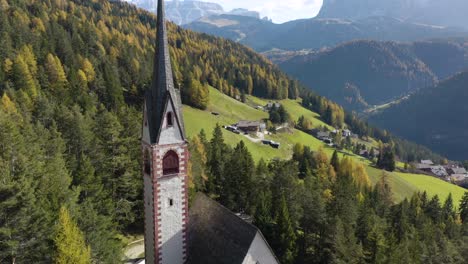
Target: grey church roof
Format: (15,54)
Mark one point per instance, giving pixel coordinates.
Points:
(162,89)
(217,235)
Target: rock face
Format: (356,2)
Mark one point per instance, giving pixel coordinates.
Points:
(263,35)
(244,12)
(435,12)
(185,12)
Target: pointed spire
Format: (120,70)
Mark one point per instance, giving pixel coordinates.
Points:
(162,88)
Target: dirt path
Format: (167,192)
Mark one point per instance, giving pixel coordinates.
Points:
(135,249)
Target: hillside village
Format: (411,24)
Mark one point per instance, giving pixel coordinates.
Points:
(451,172)
(257,131)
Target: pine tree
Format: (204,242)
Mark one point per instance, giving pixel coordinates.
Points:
(386,160)
(262,216)
(335,161)
(238,179)
(217,156)
(57,77)
(70,243)
(285,237)
(464,208)
(383,196)
(23,77)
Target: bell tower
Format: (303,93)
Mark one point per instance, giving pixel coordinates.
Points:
(165,156)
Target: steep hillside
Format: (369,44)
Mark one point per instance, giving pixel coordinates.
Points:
(263,35)
(444,57)
(362,73)
(435,117)
(435,12)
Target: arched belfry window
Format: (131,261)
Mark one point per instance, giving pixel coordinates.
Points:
(147,162)
(170,163)
(169,119)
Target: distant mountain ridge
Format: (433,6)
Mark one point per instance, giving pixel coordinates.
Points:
(435,117)
(434,12)
(263,35)
(184,12)
(363,73)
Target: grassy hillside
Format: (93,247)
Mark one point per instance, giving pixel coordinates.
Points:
(230,111)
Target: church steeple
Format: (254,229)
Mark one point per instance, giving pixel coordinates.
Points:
(162,90)
(165,158)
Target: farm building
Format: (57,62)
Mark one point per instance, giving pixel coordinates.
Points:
(251,126)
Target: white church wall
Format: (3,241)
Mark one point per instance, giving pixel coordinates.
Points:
(171,219)
(259,252)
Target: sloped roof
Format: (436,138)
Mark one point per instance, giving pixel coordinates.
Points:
(216,235)
(247,123)
(458,170)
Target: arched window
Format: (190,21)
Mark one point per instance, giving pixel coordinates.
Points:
(170,163)
(147,162)
(169,119)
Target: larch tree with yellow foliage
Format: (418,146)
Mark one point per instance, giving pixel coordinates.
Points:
(70,243)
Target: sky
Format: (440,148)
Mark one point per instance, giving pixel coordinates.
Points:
(278,10)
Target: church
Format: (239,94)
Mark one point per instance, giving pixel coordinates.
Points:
(206,232)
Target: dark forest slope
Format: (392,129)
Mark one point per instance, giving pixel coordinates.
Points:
(363,73)
(435,117)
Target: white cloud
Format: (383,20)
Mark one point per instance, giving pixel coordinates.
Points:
(278,10)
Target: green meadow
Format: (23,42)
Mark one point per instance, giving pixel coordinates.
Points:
(230,111)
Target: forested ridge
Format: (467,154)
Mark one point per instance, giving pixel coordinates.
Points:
(445,104)
(72,75)
(319,209)
(362,73)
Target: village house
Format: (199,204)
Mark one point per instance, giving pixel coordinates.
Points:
(323,135)
(439,171)
(346,133)
(427,162)
(251,126)
(423,167)
(271,105)
(456,170)
(458,178)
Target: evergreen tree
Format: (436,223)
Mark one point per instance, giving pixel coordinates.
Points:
(464,208)
(238,180)
(285,237)
(386,160)
(23,77)
(217,156)
(262,218)
(70,243)
(335,161)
